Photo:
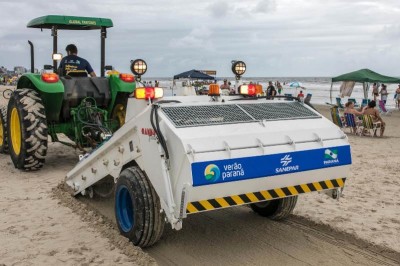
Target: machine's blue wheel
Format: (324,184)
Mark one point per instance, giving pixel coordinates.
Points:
(137,208)
(124,208)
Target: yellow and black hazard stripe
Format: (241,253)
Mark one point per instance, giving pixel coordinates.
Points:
(217,203)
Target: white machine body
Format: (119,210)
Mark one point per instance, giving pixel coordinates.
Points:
(218,148)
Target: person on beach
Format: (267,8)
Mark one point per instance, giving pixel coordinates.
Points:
(279,87)
(384,93)
(300,96)
(398,97)
(370,110)
(271,91)
(349,109)
(375,91)
(225,86)
(73,62)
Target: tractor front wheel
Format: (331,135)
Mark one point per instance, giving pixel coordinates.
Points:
(27,129)
(137,208)
(277,209)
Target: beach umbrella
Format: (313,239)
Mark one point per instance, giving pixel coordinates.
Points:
(295,84)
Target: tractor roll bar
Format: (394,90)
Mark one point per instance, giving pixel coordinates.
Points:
(103,36)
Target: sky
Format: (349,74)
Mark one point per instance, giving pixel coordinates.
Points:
(275,38)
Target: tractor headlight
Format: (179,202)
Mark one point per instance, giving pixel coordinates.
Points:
(138,67)
(57,57)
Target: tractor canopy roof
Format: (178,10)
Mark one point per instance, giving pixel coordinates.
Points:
(70,22)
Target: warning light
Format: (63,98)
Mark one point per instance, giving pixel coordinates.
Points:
(149,93)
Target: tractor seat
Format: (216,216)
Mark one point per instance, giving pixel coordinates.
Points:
(76,74)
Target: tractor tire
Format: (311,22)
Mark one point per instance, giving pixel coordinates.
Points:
(27,130)
(3,130)
(137,208)
(277,209)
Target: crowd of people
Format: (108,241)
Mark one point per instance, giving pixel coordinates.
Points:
(272,90)
(370,109)
(383,92)
(9,80)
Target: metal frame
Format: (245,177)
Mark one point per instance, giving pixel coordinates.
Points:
(54,34)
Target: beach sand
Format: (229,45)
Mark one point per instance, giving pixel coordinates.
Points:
(35,228)
(370,206)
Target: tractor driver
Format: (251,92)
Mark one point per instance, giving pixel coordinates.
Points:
(72,62)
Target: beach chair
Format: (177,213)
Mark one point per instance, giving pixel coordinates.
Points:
(308,98)
(288,97)
(336,119)
(369,125)
(354,101)
(365,102)
(382,108)
(339,103)
(355,127)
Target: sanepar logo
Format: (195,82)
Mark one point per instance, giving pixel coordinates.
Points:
(212,173)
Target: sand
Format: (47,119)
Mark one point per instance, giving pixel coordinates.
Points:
(370,206)
(36,230)
(42,225)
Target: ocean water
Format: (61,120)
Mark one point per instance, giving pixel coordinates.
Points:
(319,87)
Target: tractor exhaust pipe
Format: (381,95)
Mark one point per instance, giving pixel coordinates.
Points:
(32,57)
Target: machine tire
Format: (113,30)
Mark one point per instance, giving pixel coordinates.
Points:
(3,130)
(277,209)
(27,128)
(137,208)
(105,187)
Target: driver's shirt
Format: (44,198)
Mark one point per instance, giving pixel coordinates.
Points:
(74,62)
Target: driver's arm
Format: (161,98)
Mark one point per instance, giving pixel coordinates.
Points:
(90,70)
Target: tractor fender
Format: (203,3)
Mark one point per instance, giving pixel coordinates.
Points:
(34,81)
(50,93)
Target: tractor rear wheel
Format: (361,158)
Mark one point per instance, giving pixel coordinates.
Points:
(3,130)
(137,208)
(277,209)
(27,129)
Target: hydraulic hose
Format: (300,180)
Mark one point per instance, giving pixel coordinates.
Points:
(156,127)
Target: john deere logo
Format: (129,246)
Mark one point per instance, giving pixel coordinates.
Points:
(212,173)
(331,156)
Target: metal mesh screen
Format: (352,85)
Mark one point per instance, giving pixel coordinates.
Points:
(278,111)
(201,115)
(188,116)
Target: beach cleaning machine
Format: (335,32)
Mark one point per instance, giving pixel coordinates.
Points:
(181,155)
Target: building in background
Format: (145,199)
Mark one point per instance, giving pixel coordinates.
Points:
(19,70)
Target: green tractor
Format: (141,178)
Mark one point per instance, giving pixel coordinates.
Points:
(85,109)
